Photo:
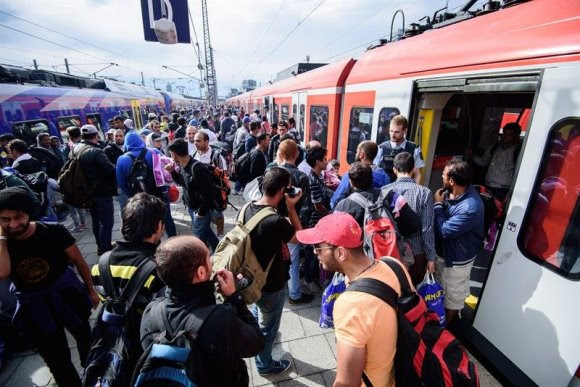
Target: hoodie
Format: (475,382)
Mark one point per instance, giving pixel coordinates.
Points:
(133,145)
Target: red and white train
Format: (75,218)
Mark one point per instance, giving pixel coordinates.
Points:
(458,85)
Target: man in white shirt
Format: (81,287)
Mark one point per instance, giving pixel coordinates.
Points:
(190,133)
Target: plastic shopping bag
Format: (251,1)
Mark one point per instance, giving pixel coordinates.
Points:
(336,287)
(434,295)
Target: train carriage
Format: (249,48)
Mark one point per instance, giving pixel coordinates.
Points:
(459,85)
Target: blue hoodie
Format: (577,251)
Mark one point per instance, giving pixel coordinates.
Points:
(133,144)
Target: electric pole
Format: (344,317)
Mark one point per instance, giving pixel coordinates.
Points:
(209,64)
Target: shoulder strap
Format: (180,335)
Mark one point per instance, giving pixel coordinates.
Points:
(142,154)
(258,217)
(375,288)
(138,279)
(401,276)
(107,276)
(410,147)
(82,150)
(359,199)
(193,317)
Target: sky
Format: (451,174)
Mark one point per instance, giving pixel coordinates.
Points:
(251,39)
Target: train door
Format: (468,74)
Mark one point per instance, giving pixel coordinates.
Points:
(136,110)
(529,306)
(298,112)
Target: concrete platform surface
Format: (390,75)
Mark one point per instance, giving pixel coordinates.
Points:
(311,350)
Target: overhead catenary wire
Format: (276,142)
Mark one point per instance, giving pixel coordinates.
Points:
(287,35)
(264,36)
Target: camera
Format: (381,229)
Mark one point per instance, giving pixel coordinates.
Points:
(292,191)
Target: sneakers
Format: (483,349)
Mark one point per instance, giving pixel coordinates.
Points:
(76,229)
(278,367)
(304,299)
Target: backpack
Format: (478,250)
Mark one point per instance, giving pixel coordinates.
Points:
(242,167)
(38,183)
(173,358)
(492,207)
(73,183)
(381,236)
(141,177)
(220,181)
(427,353)
(234,252)
(51,163)
(240,150)
(108,362)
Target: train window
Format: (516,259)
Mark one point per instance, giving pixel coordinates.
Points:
(319,124)
(549,234)
(385,116)
(285,112)
(301,128)
(361,121)
(28,130)
(95,119)
(276,113)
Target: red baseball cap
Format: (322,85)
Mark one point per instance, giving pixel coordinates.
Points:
(338,229)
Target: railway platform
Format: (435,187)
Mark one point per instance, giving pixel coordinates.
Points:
(311,349)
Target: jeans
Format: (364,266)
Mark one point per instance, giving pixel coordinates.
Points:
(311,265)
(201,228)
(294,281)
(239,186)
(103,220)
(268,311)
(169,223)
(122,199)
(77,215)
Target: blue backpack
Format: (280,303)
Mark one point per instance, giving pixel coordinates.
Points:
(173,359)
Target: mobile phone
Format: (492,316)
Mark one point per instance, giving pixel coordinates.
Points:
(292,191)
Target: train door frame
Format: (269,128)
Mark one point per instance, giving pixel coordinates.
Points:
(546,296)
(299,99)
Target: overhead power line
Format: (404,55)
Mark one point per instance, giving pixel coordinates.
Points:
(263,36)
(288,35)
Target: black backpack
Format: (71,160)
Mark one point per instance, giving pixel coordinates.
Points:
(51,163)
(141,177)
(73,184)
(38,183)
(108,361)
(173,358)
(427,353)
(242,167)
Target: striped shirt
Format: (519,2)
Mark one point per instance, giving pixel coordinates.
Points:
(317,195)
(420,199)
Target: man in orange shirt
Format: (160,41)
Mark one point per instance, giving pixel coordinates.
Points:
(365,326)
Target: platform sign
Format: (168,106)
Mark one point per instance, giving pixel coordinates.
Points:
(165,21)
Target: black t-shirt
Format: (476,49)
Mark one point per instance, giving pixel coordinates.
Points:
(40,260)
(267,240)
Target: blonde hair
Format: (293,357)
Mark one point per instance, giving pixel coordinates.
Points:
(288,149)
(400,120)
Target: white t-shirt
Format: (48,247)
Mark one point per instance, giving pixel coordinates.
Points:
(206,158)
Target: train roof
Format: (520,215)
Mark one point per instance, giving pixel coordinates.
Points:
(331,75)
(533,32)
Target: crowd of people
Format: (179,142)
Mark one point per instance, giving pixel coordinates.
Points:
(315,230)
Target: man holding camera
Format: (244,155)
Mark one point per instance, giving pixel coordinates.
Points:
(269,241)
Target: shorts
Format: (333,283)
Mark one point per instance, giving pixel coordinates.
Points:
(455,282)
(216,214)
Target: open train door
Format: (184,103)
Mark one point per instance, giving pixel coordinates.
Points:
(528,310)
(298,112)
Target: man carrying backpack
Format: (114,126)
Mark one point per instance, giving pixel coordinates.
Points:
(268,240)
(361,181)
(100,173)
(142,229)
(258,158)
(196,180)
(226,333)
(365,326)
(365,153)
(133,178)
(37,258)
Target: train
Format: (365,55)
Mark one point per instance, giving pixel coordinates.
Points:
(458,82)
(40,101)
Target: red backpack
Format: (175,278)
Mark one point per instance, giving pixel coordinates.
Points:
(427,354)
(381,234)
